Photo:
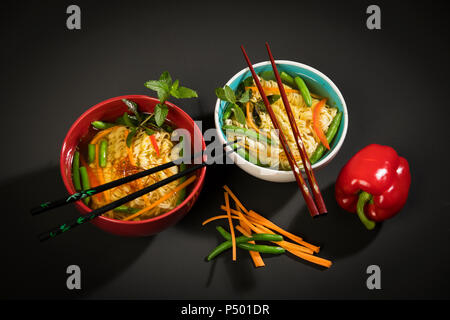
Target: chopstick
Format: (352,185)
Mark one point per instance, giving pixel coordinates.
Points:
(295,169)
(86,193)
(298,139)
(97,212)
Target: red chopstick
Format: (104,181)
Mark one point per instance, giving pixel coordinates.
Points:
(298,139)
(295,169)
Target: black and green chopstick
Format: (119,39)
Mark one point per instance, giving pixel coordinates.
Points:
(97,212)
(91,191)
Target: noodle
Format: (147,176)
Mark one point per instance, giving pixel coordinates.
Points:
(143,156)
(303,117)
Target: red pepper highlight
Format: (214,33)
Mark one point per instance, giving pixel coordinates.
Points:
(374,183)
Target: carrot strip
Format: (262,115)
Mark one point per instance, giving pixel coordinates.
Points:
(101,134)
(285,244)
(314,259)
(272,90)
(250,118)
(217,218)
(162,199)
(230,221)
(316,126)
(289,235)
(235,199)
(269,224)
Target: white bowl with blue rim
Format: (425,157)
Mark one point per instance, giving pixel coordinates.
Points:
(318,83)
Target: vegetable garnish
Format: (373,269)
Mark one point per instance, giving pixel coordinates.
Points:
(263,230)
(233,238)
(316,125)
(236,102)
(165,88)
(154,144)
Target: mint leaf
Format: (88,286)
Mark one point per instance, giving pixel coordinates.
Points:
(161,111)
(183,93)
(229,94)
(239,114)
(161,87)
(220,93)
(245,97)
(166,78)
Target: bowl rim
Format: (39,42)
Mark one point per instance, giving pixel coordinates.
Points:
(287,173)
(69,185)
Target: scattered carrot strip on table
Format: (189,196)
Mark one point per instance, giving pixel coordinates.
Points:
(230,221)
(250,221)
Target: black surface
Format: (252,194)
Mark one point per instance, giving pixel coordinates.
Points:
(394,80)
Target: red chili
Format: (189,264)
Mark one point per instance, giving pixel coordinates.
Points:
(374,183)
(155,144)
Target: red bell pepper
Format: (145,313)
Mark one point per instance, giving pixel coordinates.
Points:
(374,183)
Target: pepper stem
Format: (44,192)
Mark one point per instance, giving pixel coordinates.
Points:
(363,198)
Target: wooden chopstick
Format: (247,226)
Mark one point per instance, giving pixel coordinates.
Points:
(298,139)
(110,206)
(295,169)
(112,184)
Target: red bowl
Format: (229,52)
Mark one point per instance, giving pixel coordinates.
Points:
(107,111)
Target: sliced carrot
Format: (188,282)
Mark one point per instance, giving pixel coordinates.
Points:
(285,244)
(250,118)
(255,255)
(101,134)
(162,199)
(269,224)
(217,218)
(235,199)
(311,258)
(272,90)
(259,224)
(316,125)
(230,221)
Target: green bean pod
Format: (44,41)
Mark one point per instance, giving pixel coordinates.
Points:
(331,132)
(301,85)
(125,209)
(76,171)
(261,248)
(85,182)
(102,125)
(91,153)
(247,132)
(287,79)
(102,153)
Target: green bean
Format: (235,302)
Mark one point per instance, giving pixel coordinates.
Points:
(102,125)
(301,85)
(331,132)
(261,248)
(91,153)
(85,182)
(102,153)
(241,243)
(76,171)
(248,133)
(287,79)
(125,209)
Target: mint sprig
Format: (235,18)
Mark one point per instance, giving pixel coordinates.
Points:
(165,88)
(227,94)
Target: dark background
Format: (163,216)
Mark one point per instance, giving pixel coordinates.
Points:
(395,84)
